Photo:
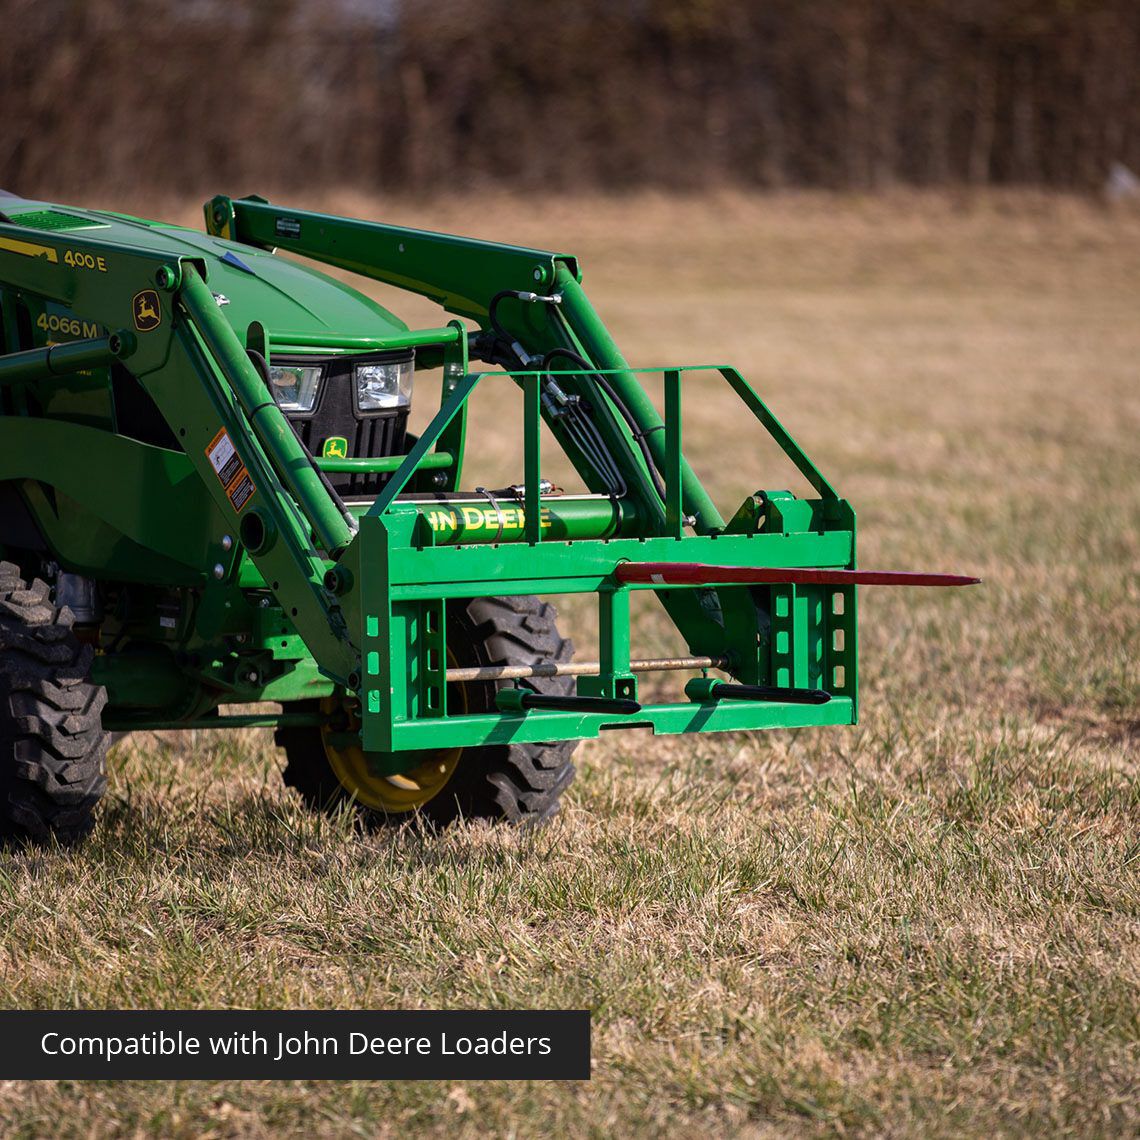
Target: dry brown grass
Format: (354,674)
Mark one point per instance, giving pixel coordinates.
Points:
(926,925)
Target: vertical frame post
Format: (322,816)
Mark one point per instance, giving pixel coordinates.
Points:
(532,458)
(614,679)
(674,514)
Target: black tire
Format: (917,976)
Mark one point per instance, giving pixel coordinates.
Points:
(520,783)
(52,744)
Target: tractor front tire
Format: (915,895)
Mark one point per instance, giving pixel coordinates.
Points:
(52,744)
(519,783)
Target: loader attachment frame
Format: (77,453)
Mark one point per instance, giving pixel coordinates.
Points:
(353,602)
(408,576)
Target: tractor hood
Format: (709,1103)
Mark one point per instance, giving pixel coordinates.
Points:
(293,302)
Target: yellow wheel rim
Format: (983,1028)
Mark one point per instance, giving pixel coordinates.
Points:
(400,792)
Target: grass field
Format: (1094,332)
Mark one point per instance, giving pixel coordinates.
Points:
(925,925)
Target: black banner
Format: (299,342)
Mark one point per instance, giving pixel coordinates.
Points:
(507,1045)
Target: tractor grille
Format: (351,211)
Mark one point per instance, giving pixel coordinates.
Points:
(366,437)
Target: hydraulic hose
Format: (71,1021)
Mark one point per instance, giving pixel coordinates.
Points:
(589,369)
(508,352)
(618,403)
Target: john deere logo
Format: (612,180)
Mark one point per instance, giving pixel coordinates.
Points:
(336,447)
(148,314)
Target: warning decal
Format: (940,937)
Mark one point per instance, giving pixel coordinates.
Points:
(230,470)
(241,490)
(223,457)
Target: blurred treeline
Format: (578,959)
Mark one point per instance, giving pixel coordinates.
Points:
(193,95)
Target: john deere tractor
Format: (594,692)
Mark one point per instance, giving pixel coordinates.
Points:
(213,514)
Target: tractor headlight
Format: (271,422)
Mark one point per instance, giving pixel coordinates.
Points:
(383,384)
(295,386)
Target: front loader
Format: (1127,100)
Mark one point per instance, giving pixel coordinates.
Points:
(214,514)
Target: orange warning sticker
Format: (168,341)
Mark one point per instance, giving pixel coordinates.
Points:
(230,470)
(223,457)
(241,490)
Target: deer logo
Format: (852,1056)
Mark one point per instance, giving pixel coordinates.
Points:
(336,447)
(148,314)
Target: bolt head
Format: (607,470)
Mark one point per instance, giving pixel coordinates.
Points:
(227,542)
(219,571)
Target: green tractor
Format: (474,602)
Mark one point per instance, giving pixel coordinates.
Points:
(210,497)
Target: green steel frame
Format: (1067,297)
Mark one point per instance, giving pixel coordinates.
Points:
(263,588)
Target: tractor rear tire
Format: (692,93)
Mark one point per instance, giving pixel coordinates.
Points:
(519,783)
(52,744)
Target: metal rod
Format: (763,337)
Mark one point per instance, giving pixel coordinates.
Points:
(700,574)
(412,338)
(702,689)
(532,459)
(63,359)
(253,720)
(523,700)
(580,668)
(384,464)
(674,472)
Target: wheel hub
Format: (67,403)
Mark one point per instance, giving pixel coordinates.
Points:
(355,768)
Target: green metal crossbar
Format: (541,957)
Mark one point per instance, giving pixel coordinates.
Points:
(385,464)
